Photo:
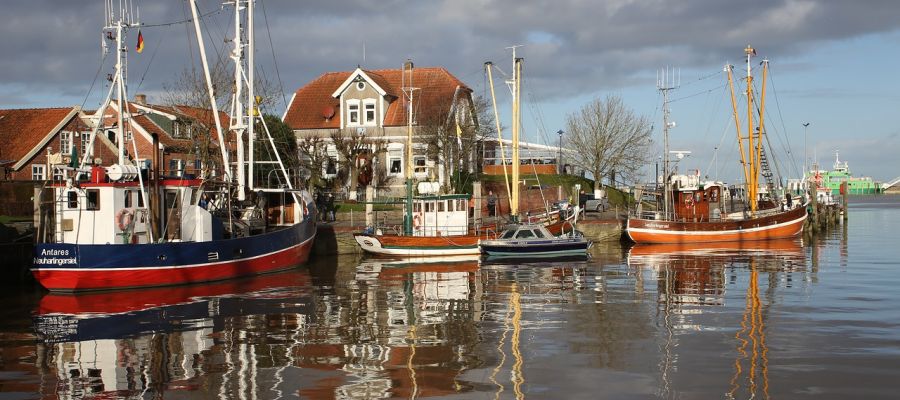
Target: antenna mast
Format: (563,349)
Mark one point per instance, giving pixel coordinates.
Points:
(666,80)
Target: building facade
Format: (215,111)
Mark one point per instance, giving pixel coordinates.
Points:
(373,106)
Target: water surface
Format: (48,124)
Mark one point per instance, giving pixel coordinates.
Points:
(813,318)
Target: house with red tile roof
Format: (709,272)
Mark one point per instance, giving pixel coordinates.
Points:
(187,138)
(38,142)
(373,104)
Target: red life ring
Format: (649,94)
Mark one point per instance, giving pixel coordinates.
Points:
(417,221)
(124,218)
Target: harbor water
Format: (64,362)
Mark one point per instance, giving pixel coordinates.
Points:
(811,318)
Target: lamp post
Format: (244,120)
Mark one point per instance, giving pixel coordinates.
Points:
(805,155)
(559,169)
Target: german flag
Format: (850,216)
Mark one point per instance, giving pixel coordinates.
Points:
(140,43)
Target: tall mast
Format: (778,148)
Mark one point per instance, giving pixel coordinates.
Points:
(753,185)
(489,67)
(408,90)
(237,105)
(251,96)
(664,84)
(516,88)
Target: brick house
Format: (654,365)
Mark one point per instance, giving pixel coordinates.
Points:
(372,103)
(38,142)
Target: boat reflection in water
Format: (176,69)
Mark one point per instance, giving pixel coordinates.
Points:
(126,343)
(691,278)
(395,328)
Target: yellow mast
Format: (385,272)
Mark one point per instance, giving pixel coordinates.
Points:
(737,123)
(517,90)
(490,75)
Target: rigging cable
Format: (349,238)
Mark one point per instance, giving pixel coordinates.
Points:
(274,61)
(97,74)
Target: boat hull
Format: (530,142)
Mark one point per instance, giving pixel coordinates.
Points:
(418,246)
(78,267)
(535,248)
(778,226)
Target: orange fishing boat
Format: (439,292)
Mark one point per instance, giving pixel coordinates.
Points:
(696,211)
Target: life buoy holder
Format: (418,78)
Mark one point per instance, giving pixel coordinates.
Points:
(124,218)
(417,221)
(305,210)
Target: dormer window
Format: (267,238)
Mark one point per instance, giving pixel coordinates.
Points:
(369,105)
(352,112)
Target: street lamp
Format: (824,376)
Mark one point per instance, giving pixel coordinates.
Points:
(559,169)
(805,155)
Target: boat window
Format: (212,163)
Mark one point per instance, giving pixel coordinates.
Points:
(714,195)
(127,199)
(698,196)
(538,233)
(508,234)
(417,207)
(460,205)
(440,206)
(429,206)
(450,205)
(524,234)
(140,196)
(93,199)
(73,199)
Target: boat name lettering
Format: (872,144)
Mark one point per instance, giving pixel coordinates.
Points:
(54,261)
(55,252)
(657,225)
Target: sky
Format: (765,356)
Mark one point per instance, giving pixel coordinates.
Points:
(832,62)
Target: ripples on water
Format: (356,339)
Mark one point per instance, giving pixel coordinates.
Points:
(783,319)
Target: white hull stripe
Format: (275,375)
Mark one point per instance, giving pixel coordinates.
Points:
(175,266)
(717,233)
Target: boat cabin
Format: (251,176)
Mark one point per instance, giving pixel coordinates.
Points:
(110,208)
(525,232)
(697,201)
(441,215)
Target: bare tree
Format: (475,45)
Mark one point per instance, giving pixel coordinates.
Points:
(354,148)
(312,158)
(606,136)
(457,149)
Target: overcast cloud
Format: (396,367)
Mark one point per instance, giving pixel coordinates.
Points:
(572,48)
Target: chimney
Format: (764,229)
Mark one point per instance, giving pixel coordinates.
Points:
(408,65)
(140,98)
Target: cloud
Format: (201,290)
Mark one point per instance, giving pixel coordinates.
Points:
(572,47)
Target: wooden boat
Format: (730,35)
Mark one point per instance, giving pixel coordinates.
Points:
(100,233)
(440,228)
(438,224)
(698,212)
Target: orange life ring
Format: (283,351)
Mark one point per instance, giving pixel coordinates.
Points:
(124,218)
(417,221)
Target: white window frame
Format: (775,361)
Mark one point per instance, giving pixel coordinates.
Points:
(38,172)
(353,109)
(65,142)
(420,171)
(369,106)
(86,144)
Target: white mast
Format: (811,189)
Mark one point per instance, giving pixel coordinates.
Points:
(665,83)
(237,105)
(251,95)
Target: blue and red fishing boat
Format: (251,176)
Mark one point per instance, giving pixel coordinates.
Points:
(128,224)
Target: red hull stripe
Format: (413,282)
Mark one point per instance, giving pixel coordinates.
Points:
(72,279)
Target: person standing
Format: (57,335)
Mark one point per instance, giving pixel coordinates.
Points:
(492,204)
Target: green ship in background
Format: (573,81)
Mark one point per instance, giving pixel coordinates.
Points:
(832,180)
